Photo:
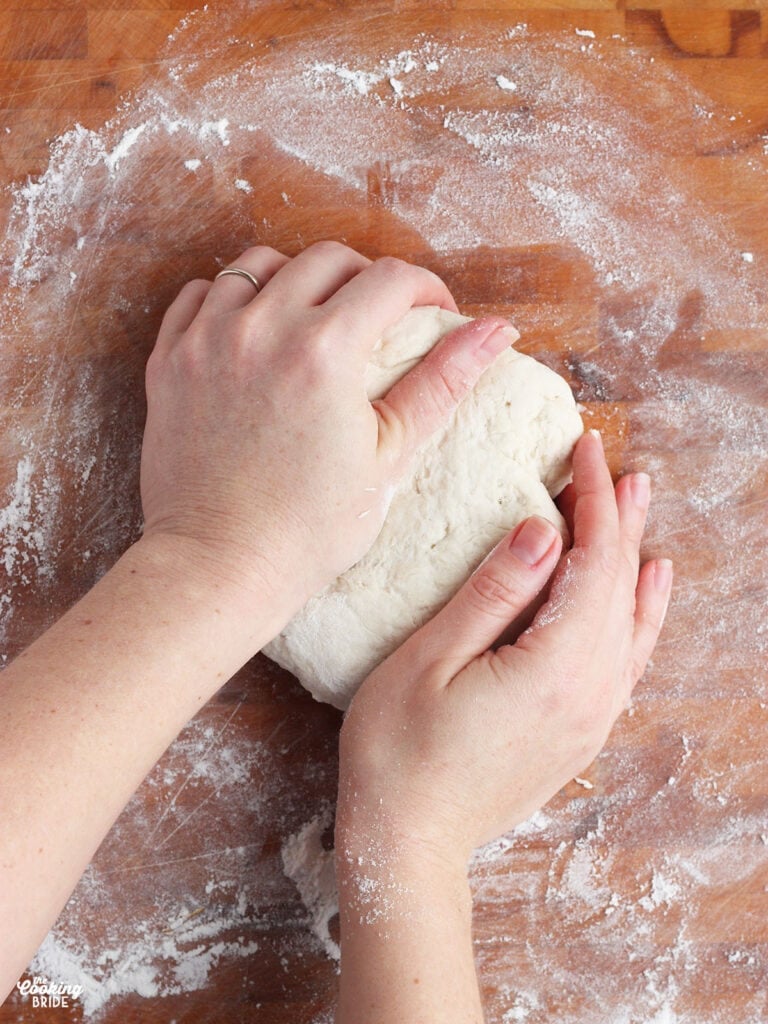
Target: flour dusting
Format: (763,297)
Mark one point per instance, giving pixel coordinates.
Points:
(531,155)
(311,867)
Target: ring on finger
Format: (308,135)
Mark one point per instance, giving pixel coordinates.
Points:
(239,272)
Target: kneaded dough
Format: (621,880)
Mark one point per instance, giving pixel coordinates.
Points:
(505,451)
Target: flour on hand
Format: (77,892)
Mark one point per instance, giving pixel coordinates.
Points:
(503,456)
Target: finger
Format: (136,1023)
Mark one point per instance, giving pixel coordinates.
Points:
(496,593)
(654,587)
(181,312)
(595,515)
(383,293)
(583,590)
(424,398)
(316,274)
(633,495)
(233,292)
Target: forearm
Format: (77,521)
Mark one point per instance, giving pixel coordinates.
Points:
(406,938)
(88,709)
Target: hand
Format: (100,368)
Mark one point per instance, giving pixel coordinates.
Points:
(262,455)
(450,743)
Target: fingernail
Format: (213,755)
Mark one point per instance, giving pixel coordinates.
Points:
(599,436)
(533,540)
(662,574)
(499,339)
(640,488)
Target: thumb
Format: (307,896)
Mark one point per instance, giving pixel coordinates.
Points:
(424,398)
(496,594)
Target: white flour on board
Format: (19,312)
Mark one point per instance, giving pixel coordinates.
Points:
(557,156)
(311,868)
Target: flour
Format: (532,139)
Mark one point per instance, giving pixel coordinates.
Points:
(22,539)
(562,165)
(132,968)
(312,869)
(27,528)
(201,911)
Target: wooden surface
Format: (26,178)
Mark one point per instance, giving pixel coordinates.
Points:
(640,897)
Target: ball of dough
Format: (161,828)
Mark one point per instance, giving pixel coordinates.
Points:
(501,458)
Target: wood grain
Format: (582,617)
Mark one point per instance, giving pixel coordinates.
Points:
(694,745)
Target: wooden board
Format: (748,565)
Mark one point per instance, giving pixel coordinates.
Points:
(597,172)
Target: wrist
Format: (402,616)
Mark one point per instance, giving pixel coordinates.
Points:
(420,825)
(384,869)
(250,599)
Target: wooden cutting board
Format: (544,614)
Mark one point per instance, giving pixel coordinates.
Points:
(597,172)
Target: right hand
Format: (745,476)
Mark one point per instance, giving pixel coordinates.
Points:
(450,743)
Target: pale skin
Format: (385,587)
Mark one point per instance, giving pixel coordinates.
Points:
(260,451)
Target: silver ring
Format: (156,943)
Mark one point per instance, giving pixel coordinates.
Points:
(240,273)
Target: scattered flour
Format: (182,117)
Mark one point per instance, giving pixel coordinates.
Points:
(558,162)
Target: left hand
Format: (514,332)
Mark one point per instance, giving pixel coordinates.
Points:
(262,454)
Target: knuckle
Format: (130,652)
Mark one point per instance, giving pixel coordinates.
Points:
(258,252)
(393,267)
(322,340)
(329,247)
(194,290)
(197,285)
(316,357)
(240,344)
(495,592)
(192,293)
(608,560)
(437,284)
(183,362)
(430,275)
(187,360)
(316,367)
(452,382)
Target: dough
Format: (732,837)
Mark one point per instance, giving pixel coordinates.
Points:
(505,451)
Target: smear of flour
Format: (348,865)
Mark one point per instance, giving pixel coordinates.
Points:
(311,867)
(555,160)
(145,919)
(23,539)
(149,964)
(185,932)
